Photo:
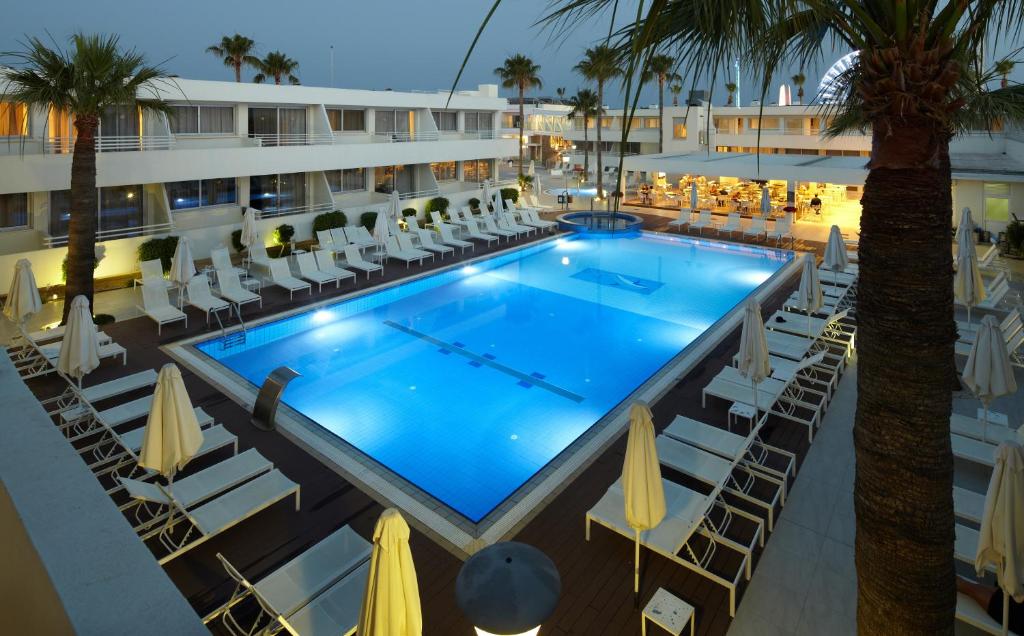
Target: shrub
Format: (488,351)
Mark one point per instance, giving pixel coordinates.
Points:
(236,241)
(474,204)
(409,212)
(284,233)
(367,219)
(103,319)
(64,268)
(1015,234)
(525,181)
(437,204)
(511,194)
(329,220)
(162,248)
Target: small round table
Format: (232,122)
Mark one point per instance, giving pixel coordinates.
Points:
(669,613)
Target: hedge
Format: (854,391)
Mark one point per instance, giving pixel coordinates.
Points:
(162,248)
(329,221)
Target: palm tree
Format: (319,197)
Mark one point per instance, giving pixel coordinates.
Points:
(277,65)
(95,74)
(731,87)
(586,105)
(521,73)
(1003,69)
(236,51)
(600,64)
(918,82)
(799,80)
(676,88)
(560,91)
(661,68)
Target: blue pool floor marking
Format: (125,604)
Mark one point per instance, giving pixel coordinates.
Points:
(481,361)
(624,282)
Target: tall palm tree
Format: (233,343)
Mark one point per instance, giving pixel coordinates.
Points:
(585,105)
(560,91)
(277,65)
(236,51)
(600,64)
(918,82)
(731,88)
(799,79)
(676,88)
(1003,68)
(662,68)
(519,72)
(93,75)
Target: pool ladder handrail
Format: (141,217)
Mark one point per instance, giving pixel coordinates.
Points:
(225,342)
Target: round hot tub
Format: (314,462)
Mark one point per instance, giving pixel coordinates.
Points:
(595,222)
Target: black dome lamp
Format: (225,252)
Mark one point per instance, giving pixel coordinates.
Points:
(507,589)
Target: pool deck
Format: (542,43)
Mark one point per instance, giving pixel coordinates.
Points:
(597,587)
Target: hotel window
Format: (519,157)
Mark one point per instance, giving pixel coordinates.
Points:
(444,171)
(651,122)
(119,121)
(60,130)
(13,119)
(476,171)
(202,120)
(446,120)
(273,192)
(679,128)
(120,208)
(13,211)
(997,202)
(278,126)
(394,122)
(509,120)
(477,121)
(390,178)
(794,125)
(349,180)
(183,195)
(606,122)
(347,120)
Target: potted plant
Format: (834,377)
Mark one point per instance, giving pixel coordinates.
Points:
(1014,236)
(474,204)
(283,234)
(367,220)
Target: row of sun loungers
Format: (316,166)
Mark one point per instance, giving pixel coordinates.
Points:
(757,228)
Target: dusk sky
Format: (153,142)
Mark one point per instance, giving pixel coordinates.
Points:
(399,44)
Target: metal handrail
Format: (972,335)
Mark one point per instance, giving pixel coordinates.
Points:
(400,136)
(291,139)
(429,192)
(302,209)
(110,235)
(63,145)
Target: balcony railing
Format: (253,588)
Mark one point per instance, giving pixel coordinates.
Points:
(302,209)
(291,139)
(400,136)
(64,145)
(415,194)
(114,234)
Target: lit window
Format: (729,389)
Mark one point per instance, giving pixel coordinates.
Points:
(348,180)
(13,120)
(997,202)
(347,119)
(444,171)
(184,195)
(679,128)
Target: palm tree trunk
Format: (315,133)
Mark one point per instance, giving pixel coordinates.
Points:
(661,115)
(521,94)
(82,226)
(903,493)
(600,102)
(238,71)
(586,149)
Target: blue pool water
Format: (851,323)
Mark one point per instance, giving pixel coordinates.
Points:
(583,193)
(468,382)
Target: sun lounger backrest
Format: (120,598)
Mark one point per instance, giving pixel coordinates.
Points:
(221,259)
(307,263)
(435,216)
(152,270)
(154,296)
(258,252)
(352,254)
(324,238)
(279,269)
(228,281)
(338,235)
(811,361)
(404,241)
(324,259)
(199,288)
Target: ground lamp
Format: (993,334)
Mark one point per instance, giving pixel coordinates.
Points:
(507,589)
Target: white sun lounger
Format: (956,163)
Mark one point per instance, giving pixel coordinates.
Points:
(309,271)
(397,253)
(405,245)
(281,276)
(508,222)
(473,232)
(969,330)
(532,218)
(257,255)
(684,218)
(995,430)
(535,203)
(71,409)
(107,349)
(717,472)
(427,242)
(733,223)
(687,513)
(200,297)
(152,273)
(224,512)
(448,239)
(338,559)
(756,228)
(122,458)
(783,228)
(704,220)
(336,611)
(325,241)
(968,505)
(492,228)
(355,260)
(974,451)
(150,503)
(338,238)
(222,261)
(325,263)
(968,611)
(829,329)
(122,414)
(230,289)
(779,398)
(748,451)
(156,305)
(360,236)
(828,307)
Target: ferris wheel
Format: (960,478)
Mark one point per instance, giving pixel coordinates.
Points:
(828,87)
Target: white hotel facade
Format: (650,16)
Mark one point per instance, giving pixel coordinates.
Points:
(290,152)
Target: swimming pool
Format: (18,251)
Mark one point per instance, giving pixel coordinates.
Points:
(468,382)
(583,193)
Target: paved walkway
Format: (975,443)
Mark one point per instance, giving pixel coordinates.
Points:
(805,581)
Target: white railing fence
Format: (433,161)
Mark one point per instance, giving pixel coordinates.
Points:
(302,209)
(291,139)
(63,145)
(400,136)
(114,234)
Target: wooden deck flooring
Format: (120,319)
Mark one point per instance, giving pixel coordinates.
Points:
(596,576)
